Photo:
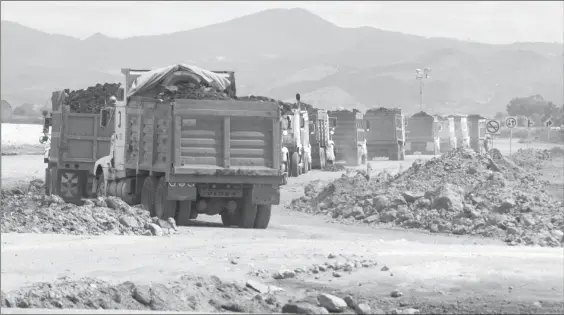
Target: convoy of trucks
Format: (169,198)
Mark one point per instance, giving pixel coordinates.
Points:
(180,156)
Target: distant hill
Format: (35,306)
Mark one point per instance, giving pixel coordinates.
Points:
(281,52)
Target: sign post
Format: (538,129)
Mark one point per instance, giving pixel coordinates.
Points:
(493,128)
(510,122)
(530,123)
(548,124)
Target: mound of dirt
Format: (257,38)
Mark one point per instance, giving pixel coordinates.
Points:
(188,294)
(193,91)
(531,158)
(33,212)
(461,192)
(91,99)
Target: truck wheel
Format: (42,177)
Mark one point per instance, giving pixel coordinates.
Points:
(307,167)
(47,182)
(229,219)
(401,153)
(248,212)
(148,194)
(164,208)
(322,158)
(101,186)
(184,213)
(54,183)
(285,179)
(294,165)
(263,216)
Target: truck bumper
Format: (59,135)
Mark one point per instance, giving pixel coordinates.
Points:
(259,193)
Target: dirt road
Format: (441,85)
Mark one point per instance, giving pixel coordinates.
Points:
(456,274)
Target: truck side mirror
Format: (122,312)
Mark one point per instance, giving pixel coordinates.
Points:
(46,124)
(104,117)
(120,94)
(302,122)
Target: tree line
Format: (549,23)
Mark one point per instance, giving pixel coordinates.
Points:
(534,107)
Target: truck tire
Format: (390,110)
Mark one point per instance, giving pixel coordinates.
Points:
(401,153)
(322,158)
(294,165)
(248,212)
(148,194)
(54,183)
(101,186)
(164,208)
(229,219)
(47,182)
(307,167)
(263,216)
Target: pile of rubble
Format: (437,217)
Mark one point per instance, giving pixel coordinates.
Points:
(334,168)
(461,192)
(531,158)
(90,100)
(188,294)
(33,212)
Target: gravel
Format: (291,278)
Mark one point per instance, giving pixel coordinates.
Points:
(461,192)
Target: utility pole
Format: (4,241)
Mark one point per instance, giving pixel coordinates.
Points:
(421,75)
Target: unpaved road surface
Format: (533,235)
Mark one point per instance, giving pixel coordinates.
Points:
(436,273)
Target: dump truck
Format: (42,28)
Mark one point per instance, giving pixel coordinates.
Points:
(182,157)
(385,133)
(421,136)
(461,130)
(444,129)
(319,138)
(296,149)
(349,136)
(477,132)
(74,143)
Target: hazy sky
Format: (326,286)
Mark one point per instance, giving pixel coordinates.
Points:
(484,21)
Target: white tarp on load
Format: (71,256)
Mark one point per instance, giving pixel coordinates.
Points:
(151,79)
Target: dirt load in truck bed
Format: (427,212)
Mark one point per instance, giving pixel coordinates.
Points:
(90,100)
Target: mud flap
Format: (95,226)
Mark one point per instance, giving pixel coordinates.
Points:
(265,195)
(248,212)
(184,212)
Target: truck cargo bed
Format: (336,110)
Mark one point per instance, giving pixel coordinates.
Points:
(208,137)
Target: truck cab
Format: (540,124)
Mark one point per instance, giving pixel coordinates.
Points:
(296,148)
(444,129)
(319,138)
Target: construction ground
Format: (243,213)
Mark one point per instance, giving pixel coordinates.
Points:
(460,233)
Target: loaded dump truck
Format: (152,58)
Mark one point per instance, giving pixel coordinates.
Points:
(421,135)
(181,155)
(444,129)
(76,141)
(477,132)
(385,133)
(319,138)
(461,130)
(349,136)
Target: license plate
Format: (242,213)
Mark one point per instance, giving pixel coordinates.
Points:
(221,193)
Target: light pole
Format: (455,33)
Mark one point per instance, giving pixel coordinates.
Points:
(421,75)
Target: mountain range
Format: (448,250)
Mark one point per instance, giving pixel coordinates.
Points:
(281,52)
